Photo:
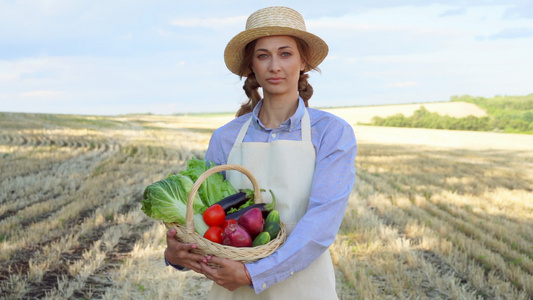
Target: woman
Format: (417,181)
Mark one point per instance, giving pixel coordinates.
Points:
(305,156)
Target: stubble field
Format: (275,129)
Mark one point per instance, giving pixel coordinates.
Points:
(433,214)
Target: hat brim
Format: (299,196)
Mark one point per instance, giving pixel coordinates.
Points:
(234,52)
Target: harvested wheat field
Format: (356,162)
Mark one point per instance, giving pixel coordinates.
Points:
(433,214)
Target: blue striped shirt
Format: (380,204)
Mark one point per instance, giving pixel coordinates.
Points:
(335,146)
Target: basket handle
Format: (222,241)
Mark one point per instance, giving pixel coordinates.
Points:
(189,222)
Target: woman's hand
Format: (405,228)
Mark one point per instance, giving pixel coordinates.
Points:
(231,275)
(178,253)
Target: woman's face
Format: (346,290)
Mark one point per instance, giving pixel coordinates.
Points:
(277,64)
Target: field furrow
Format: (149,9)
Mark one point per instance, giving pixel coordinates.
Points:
(71,210)
(488,260)
(494,255)
(494,232)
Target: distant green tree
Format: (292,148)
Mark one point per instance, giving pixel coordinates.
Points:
(513,114)
(510,113)
(422,118)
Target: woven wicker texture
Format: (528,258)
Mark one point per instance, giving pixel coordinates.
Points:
(188,234)
(275,20)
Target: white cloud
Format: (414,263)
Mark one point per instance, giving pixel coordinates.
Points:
(352,60)
(454,12)
(164,33)
(513,33)
(42,94)
(403,84)
(213,23)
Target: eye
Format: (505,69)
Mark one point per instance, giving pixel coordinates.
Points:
(262,56)
(285,54)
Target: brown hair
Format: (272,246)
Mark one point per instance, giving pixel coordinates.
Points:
(251,86)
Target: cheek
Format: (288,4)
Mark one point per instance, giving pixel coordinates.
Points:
(256,66)
(296,68)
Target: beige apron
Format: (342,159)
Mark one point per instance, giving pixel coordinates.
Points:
(287,168)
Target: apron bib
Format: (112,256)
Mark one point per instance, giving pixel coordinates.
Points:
(287,168)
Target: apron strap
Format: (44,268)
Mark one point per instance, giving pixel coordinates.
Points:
(243,131)
(305,126)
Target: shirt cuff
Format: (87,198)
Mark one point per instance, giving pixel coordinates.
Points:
(251,285)
(180,268)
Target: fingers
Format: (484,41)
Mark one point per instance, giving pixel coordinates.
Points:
(209,272)
(197,268)
(231,274)
(174,242)
(218,260)
(171,234)
(179,253)
(214,273)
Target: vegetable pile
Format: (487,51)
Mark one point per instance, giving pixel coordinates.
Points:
(221,214)
(249,225)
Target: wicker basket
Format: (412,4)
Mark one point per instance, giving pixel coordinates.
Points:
(188,234)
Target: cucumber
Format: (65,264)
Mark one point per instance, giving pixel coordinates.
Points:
(273,216)
(262,239)
(272,228)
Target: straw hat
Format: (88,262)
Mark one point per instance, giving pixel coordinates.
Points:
(275,20)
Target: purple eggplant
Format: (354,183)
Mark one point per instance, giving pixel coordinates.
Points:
(265,208)
(234,201)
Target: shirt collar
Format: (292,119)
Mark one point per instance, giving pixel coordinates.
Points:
(289,124)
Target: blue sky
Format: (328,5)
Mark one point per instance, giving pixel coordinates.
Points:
(119,57)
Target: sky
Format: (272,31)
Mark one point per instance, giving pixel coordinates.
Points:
(96,57)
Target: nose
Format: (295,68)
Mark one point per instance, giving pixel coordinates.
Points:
(274,65)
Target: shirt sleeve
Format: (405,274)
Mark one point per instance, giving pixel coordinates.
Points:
(215,152)
(315,232)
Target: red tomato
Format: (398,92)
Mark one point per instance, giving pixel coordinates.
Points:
(214,234)
(227,222)
(214,215)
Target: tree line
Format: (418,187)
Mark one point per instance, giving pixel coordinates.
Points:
(510,114)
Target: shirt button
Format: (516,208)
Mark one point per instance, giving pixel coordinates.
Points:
(292,272)
(274,135)
(264,285)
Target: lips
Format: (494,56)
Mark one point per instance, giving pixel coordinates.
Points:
(275,79)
